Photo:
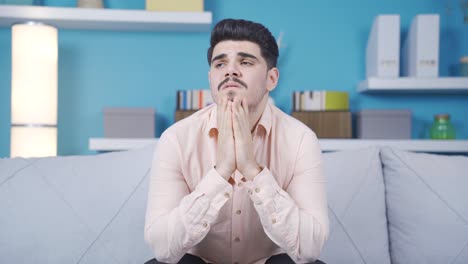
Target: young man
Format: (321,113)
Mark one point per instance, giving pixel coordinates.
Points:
(238,181)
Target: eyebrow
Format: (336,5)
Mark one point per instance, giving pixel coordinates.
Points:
(220,56)
(241,54)
(247,55)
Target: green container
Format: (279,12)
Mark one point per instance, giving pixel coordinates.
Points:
(442,128)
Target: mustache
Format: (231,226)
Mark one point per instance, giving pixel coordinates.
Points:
(233,79)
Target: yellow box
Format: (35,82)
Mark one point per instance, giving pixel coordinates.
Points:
(175,5)
(335,100)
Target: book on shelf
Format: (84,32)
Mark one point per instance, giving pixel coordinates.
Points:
(325,112)
(193,99)
(190,101)
(320,100)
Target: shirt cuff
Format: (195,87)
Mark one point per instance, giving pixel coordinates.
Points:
(216,188)
(263,188)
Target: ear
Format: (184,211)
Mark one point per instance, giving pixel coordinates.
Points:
(272,78)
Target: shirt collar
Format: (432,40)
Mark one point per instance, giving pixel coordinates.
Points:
(265,120)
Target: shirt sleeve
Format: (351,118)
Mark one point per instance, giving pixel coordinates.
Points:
(296,219)
(177,220)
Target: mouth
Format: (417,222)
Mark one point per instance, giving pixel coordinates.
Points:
(230,86)
(232,83)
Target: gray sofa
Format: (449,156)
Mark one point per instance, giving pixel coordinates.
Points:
(385,206)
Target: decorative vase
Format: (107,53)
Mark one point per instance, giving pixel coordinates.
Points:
(442,128)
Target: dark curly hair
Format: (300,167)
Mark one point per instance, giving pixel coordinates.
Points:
(239,29)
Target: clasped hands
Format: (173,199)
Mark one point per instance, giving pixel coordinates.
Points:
(234,149)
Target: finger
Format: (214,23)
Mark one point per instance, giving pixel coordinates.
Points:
(228,119)
(240,111)
(236,105)
(245,106)
(221,109)
(225,116)
(241,127)
(220,117)
(237,132)
(243,116)
(235,124)
(236,109)
(225,125)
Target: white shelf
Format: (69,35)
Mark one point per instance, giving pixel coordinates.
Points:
(106,19)
(117,144)
(418,145)
(410,84)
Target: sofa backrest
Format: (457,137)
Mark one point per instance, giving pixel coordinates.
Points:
(356,202)
(427,206)
(77,209)
(91,209)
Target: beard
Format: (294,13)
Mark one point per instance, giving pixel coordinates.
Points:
(231,95)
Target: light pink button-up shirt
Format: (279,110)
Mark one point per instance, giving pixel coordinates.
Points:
(192,209)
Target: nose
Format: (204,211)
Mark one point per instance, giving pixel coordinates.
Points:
(232,71)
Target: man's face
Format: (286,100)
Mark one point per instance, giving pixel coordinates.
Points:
(238,70)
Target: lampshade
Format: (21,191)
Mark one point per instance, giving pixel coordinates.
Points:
(34,90)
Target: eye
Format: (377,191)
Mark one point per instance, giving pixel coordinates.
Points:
(219,65)
(246,63)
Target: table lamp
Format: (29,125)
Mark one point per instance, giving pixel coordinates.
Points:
(34,90)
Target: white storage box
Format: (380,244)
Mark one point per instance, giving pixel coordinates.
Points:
(383,124)
(420,52)
(129,122)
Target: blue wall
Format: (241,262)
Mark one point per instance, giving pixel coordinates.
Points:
(325,49)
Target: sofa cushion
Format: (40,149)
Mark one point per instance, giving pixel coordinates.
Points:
(427,203)
(356,201)
(76,209)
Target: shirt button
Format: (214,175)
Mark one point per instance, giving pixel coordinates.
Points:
(237,239)
(257,190)
(273,221)
(238,212)
(239,184)
(226,195)
(205,225)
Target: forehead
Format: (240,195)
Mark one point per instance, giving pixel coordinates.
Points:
(232,47)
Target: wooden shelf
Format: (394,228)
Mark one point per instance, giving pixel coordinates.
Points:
(417,145)
(106,19)
(410,84)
